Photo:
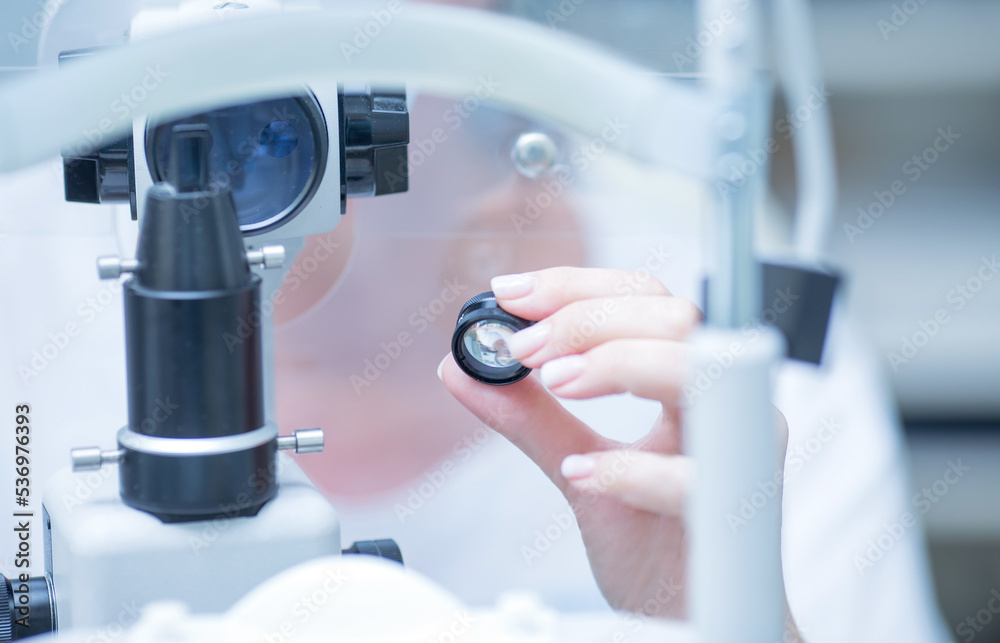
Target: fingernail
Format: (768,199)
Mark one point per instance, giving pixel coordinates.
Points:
(512,286)
(441,365)
(529,340)
(562,370)
(578,467)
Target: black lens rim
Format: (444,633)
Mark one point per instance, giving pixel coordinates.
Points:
(484,307)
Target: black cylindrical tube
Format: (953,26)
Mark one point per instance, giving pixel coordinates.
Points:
(194,363)
(201,487)
(197,445)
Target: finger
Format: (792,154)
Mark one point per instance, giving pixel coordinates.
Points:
(527,415)
(648,481)
(582,325)
(651,368)
(536,295)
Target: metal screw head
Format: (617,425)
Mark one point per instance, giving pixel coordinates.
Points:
(267,257)
(274,256)
(308,440)
(86,459)
(534,153)
(109,267)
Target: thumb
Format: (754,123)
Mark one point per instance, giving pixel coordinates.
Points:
(527,415)
(649,481)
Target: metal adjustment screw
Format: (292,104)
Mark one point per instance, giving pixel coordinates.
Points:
(302,441)
(267,257)
(534,153)
(92,458)
(112,267)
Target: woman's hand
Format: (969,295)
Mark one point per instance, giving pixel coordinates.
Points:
(601,332)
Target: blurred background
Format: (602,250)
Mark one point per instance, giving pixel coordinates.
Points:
(900,75)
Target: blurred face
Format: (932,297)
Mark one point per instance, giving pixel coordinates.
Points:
(360,337)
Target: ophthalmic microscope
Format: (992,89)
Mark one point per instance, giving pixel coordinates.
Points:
(206,508)
(705,130)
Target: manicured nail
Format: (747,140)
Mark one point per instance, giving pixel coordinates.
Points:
(529,340)
(578,467)
(441,365)
(512,286)
(562,370)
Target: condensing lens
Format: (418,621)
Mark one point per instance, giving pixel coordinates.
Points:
(486,342)
(480,343)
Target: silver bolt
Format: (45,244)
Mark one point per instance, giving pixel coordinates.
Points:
(92,458)
(111,267)
(267,257)
(302,441)
(534,153)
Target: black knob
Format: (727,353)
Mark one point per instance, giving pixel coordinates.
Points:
(374,132)
(27,607)
(384,548)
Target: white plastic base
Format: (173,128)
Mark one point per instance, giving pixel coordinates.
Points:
(362,599)
(108,559)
